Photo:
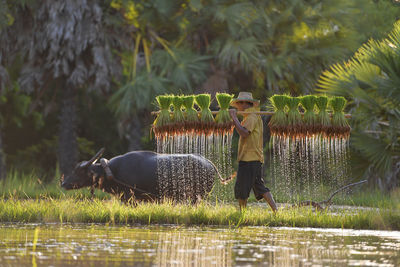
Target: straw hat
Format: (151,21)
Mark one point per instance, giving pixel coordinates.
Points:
(247,97)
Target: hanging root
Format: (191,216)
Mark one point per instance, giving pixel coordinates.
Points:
(328,202)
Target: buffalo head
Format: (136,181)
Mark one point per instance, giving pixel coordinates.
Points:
(81,176)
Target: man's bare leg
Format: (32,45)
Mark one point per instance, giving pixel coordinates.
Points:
(242,204)
(270,200)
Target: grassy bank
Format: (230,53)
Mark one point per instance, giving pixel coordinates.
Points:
(112,211)
(18,186)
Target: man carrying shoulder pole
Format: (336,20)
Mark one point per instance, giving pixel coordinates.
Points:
(250,152)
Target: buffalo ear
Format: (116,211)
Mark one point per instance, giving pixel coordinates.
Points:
(97,156)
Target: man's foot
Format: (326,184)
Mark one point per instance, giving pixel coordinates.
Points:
(271,202)
(242,204)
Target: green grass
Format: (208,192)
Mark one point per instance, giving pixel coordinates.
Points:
(71,210)
(29,200)
(365,198)
(19,186)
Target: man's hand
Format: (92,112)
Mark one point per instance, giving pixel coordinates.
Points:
(243,132)
(233,114)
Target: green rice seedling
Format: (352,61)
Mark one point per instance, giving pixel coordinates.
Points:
(223,119)
(340,126)
(163,121)
(294,116)
(278,121)
(206,117)
(191,116)
(309,117)
(178,119)
(323,121)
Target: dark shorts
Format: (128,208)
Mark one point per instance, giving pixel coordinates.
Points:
(249,176)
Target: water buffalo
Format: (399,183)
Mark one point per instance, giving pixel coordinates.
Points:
(146,175)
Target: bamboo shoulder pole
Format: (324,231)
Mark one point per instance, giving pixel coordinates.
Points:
(265,113)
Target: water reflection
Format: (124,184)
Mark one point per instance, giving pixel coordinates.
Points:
(101,245)
(179,248)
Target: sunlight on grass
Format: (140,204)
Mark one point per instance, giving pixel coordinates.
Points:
(70,210)
(19,186)
(31,186)
(27,199)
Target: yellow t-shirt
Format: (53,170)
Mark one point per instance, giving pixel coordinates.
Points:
(251,147)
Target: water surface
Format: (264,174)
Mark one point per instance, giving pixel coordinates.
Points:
(104,245)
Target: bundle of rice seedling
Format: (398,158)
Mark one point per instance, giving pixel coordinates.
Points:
(206,117)
(294,117)
(323,121)
(163,121)
(177,117)
(309,118)
(223,119)
(278,122)
(191,116)
(340,126)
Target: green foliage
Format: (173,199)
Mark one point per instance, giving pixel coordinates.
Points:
(137,94)
(40,159)
(6,18)
(371,80)
(275,45)
(14,107)
(181,67)
(164,45)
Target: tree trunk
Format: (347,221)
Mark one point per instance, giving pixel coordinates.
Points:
(2,159)
(134,134)
(67,143)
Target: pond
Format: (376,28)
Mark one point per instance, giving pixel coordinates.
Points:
(171,245)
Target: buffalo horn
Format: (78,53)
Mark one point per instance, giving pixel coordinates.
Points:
(96,157)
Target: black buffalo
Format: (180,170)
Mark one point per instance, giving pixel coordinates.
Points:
(146,175)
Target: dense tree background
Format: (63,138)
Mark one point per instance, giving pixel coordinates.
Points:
(78,75)
(370,79)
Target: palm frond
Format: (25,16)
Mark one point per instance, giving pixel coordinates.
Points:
(187,70)
(376,150)
(372,79)
(237,16)
(244,52)
(137,94)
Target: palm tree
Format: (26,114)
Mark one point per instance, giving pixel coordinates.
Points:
(273,45)
(180,46)
(262,45)
(154,66)
(371,79)
(66,47)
